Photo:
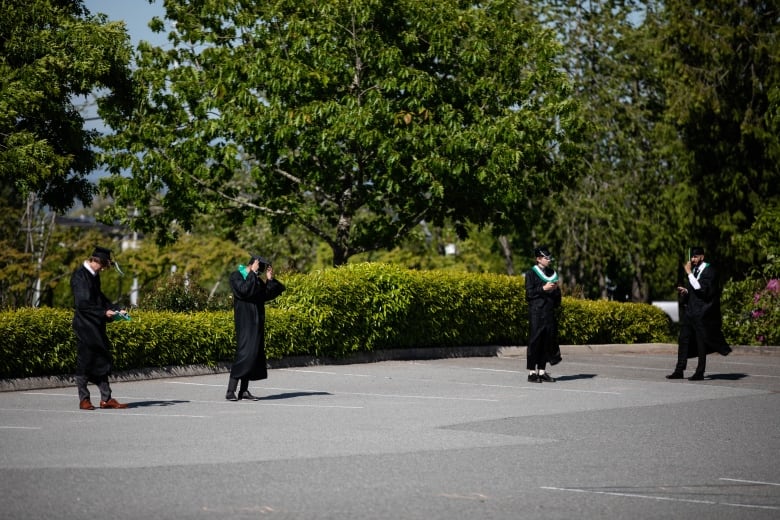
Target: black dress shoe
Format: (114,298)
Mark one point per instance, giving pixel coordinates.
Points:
(534,378)
(696,377)
(675,375)
(246,396)
(547,378)
(231,396)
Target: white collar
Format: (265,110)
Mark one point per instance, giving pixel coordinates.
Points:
(89,268)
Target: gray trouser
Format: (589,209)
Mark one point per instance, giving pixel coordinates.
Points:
(102,384)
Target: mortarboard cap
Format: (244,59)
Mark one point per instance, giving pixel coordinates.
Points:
(542,251)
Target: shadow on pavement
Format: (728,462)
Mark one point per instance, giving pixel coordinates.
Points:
(290,395)
(144,404)
(726,377)
(574,377)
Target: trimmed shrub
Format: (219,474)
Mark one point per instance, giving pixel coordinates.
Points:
(751,312)
(585,322)
(176,293)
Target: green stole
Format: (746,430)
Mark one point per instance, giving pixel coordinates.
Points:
(544,277)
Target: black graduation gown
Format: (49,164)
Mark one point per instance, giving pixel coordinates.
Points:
(542,307)
(89,323)
(702,314)
(249,297)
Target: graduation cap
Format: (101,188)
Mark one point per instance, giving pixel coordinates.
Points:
(263,261)
(103,255)
(542,251)
(697,250)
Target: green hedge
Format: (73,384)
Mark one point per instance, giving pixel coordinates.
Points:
(331,313)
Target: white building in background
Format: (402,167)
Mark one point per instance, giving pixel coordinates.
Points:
(672,309)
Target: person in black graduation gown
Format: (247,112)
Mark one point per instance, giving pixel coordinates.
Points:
(701,327)
(250,292)
(92,312)
(544,297)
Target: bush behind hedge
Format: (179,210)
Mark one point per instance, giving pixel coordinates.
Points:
(331,313)
(751,312)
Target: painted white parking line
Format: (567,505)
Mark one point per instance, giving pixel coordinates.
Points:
(399,396)
(107,413)
(660,498)
(20,428)
(131,399)
(730,360)
(631,367)
(410,396)
(537,386)
(751,481)
(463,383)
(325,372)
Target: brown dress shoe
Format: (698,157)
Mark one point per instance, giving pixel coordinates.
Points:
(85,404)
(112,403)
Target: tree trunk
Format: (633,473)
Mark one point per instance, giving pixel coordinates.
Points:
(339,255)
(506,249)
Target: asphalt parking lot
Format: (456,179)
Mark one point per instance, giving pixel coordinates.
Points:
(451,438)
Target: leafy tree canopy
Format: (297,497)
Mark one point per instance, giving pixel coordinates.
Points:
(615,229)
(723,79)
(51,52)
(355,119)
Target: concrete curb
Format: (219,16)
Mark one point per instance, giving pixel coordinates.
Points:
(37,383)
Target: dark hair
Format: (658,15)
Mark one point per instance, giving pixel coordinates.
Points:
(102,260)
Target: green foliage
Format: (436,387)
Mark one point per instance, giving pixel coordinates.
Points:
(176,293)
(46,255)
(583,322)
(52,52)
(159,339)
(350,308)
(352,119)
(332,313)
(683,144)
(614,230)
(424,249)
(751,312)
(41,342)
(363,307)
(36,342)
(52,55)
(762,241)
(722,76)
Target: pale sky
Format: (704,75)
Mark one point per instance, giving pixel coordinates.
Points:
(136,15)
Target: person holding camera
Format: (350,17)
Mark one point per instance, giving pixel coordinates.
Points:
(544,297)
(250,292)
(701,327)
